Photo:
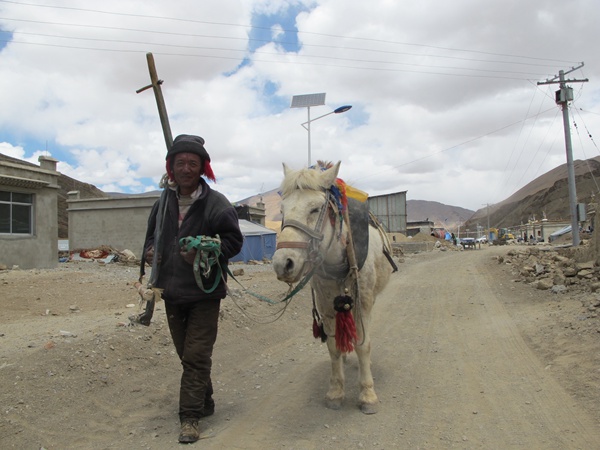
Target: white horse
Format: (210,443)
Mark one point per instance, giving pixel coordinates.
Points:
(314,237)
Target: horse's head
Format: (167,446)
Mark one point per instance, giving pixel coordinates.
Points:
(306,231)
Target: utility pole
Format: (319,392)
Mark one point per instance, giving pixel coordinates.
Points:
(563,96)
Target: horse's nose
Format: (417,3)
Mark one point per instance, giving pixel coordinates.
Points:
(285,267)
(289,266)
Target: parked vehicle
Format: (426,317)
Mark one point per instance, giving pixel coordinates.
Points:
(482,239)
(468,243)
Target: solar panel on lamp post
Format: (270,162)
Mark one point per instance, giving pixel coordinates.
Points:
(307,101)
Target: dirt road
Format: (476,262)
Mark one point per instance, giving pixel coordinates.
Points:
(463,357)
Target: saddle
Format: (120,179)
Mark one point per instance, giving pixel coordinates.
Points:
(358,213)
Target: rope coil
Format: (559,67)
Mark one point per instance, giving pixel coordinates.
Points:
(208,250)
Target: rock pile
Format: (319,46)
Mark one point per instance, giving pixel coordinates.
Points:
(553,268)
(558,271)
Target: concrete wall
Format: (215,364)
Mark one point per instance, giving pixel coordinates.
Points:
(119,223)
(40,249)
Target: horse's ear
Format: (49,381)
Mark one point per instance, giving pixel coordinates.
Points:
(331,174)
(286,170)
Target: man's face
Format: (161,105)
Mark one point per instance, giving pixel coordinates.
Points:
(186,171)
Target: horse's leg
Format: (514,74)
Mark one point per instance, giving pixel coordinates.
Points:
(368,401)
(335,394)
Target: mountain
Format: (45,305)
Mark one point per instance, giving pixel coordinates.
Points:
(272,202)
(441,215)
(68,184)
(416,210)
(546,196)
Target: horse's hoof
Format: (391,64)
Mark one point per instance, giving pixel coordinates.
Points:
(369,408)
(335,403)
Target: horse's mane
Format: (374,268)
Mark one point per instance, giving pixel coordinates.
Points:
(305,179)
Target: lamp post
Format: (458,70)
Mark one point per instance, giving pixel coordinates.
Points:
(308,100)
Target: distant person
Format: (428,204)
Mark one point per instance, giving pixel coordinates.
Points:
(453,238)
(193,209)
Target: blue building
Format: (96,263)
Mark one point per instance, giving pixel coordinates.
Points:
(259,242)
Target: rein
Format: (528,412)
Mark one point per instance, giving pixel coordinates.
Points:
(207,257)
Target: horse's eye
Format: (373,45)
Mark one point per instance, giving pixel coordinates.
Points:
(314,211)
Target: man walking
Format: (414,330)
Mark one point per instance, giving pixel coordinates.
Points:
(191,209)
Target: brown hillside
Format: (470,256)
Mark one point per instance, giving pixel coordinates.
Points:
(546,195)
(68,184)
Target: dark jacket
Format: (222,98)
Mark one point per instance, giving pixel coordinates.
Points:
(209,215)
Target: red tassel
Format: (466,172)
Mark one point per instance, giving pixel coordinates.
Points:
(208,172)
(316,329)
(345,328)
(345,332)
(169,170)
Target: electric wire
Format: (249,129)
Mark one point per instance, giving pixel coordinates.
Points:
(508,160)
(431,155)
(121,14)
(550,147)
(250,39)
(519,59)
(583,151)
(195,47)
(340,66)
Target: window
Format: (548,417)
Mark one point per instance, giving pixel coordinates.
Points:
(16,213)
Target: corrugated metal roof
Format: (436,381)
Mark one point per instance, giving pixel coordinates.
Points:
(251,228)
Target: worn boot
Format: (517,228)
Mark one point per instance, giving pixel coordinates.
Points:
(189,431)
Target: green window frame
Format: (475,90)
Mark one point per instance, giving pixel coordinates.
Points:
(16,213)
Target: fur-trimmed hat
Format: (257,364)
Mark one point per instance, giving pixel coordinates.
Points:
(187,143)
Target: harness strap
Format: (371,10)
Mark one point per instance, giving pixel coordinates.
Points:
(309,231)
(292,244)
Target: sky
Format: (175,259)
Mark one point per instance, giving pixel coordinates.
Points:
(446,98)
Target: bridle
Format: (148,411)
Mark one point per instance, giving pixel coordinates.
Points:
(315,235)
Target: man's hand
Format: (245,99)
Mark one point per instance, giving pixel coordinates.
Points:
(189,256)
(150,256)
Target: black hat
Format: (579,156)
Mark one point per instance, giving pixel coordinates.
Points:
(186,143)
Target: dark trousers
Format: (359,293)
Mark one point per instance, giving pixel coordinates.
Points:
(194,332)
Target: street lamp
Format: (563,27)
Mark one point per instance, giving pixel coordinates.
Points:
(308,100)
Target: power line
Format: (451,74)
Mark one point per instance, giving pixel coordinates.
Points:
(275,41)
(341,66)
(356,38)
(196,47)
(397,166)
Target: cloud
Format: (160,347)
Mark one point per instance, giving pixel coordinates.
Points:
(446,104)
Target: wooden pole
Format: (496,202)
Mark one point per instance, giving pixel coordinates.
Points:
(160,101)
